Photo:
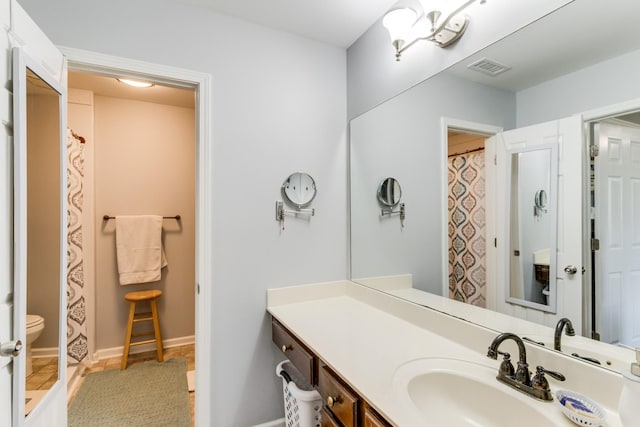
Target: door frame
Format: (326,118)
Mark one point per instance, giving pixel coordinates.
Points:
(590,117)
(81,60)
(447,123)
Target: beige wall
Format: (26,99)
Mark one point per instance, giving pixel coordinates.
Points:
(145,164)
(43,215)
(140,159)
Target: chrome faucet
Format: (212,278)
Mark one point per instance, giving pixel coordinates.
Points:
(520,378)
(558,333)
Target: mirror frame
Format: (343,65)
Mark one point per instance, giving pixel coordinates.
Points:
(552,208)
(21,62)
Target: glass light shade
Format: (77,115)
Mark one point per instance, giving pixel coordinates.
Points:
(399,22)
(135,83)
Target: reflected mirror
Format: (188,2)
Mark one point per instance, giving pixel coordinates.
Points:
(389,192)
(546,82)
(38,223)
(531,227)
(299,189)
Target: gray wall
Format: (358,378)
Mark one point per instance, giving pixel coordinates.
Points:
(600,85)
(373,76)
(279,106)
(402,138)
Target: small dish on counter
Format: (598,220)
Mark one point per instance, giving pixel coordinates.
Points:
(580,409)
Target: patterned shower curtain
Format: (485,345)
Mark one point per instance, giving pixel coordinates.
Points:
(467,274)
(76,326)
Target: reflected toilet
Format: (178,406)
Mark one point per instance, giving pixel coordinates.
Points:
(35,326)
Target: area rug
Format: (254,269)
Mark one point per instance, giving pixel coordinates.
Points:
(146,394)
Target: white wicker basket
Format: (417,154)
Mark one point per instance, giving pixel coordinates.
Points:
(302,404)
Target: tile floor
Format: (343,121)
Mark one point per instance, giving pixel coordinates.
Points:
(45,369)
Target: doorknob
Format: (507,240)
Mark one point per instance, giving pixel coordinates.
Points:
(11,348)
(570,269)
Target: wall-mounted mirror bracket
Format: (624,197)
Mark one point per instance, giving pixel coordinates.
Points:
(401,211)
(281,211)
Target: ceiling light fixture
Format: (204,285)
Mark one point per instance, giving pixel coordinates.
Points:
(407,26)
(135,83)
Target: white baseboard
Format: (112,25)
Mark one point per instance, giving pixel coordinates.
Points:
(107,353)
(276,423)
(44,352)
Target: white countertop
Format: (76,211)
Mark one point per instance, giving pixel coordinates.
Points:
(366,336)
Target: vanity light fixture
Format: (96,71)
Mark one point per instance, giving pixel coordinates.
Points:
(406,26)
(135,83)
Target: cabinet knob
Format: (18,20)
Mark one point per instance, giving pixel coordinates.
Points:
(286,347)
(331,401)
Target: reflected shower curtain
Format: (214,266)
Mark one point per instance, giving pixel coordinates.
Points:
(466,228)
(76,327)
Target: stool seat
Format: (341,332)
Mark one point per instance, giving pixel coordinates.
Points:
(151,296)
(143,295)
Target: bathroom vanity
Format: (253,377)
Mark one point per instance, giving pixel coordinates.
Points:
(378,360)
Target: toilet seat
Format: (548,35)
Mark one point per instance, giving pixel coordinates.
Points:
(33,321)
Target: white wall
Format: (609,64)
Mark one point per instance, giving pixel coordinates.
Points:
(373,75)
(402,138)
(606,83)
(279,106)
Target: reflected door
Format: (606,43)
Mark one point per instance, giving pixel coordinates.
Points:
(567,135)
(617,222)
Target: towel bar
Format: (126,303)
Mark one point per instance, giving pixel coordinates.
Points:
(176,217)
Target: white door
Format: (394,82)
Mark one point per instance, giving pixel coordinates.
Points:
(567,134)
(617,225)
(6,241)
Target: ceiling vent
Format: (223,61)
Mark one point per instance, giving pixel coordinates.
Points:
(489,67)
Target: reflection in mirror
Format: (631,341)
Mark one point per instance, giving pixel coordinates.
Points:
(299,189)
(546,83)
(389,192)
(43,237)
(532,235)
(38,218)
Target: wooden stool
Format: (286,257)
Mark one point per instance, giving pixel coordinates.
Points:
(133,298)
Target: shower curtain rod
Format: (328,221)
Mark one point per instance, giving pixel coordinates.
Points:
(466,152)
(176,217)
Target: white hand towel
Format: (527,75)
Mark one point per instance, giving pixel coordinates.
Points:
(139,249)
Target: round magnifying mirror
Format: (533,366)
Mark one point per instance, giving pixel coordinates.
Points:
(389,192)
(541,199)
(299,189)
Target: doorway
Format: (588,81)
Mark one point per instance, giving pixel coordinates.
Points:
(464,197)
(200,83)
(614,176)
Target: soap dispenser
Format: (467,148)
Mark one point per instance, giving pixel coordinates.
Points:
(630,396)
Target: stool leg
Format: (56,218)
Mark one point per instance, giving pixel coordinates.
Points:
(127,338)
(156,329)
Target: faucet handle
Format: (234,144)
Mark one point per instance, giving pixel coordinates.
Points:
(539,381)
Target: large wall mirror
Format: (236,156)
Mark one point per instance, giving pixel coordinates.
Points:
(39,284)
(579,73)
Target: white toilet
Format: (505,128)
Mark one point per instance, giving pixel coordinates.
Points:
(35,325)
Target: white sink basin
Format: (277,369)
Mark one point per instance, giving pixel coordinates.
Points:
(450,392)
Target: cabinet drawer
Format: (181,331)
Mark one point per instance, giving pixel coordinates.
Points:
(298,354)
(372,419)
(338,399)
(327,419)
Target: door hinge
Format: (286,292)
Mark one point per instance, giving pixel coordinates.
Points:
(595,244)
(495,242)
(595,335)
(594,150)
(495,160)
(198,288)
